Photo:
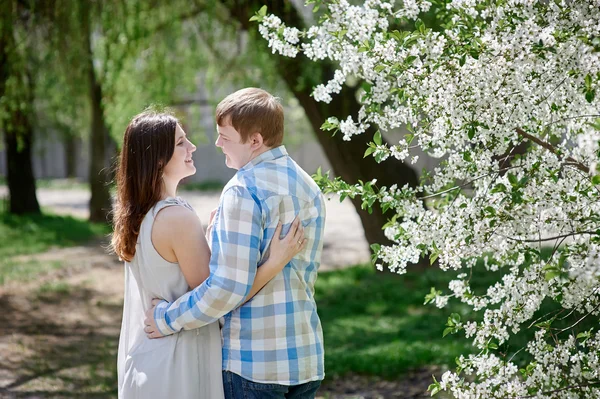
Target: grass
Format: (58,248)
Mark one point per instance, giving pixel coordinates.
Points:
(30,234)
(376,323)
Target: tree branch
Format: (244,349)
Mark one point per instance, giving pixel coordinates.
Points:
(549,238)
(552,149)
(559,390)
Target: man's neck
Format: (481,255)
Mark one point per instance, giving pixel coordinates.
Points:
(259,152)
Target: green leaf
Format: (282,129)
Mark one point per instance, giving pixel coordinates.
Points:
(513,180)
(588,82)
(263,11)
(431,296)
(375,248)
(471,132)
(590,95)
(552,271)
(447,330)
(433,257)
(419,25)
(369,151)
(377,138)
(380,67)
(499,188)
(596,179)
(434,388)
(455,317)
(409,60)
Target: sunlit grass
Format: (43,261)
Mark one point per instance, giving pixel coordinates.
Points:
(376,324)
(31,234)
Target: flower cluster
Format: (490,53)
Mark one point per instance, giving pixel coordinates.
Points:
(505,92)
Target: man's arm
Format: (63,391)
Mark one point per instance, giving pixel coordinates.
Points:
(236,237)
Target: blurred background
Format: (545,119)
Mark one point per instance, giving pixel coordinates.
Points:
(72,75)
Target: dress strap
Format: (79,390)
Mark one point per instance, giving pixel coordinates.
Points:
(170,201)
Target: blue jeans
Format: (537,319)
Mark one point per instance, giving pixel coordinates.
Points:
(237,387)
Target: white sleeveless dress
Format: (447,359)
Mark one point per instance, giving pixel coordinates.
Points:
(183,365)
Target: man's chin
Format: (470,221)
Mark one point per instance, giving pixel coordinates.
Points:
(229,164)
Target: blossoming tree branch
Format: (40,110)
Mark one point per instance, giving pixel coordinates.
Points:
(506,93)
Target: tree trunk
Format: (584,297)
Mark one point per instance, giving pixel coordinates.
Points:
(346,157)
(99,175)
(70,145)
(18,138)
(18,131)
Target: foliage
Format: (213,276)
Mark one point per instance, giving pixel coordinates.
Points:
(505,93)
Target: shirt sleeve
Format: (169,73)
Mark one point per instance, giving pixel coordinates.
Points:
(236,236)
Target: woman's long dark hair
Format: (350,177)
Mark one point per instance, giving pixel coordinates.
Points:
(148,145)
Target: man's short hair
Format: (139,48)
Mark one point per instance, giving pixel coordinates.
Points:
(252,110)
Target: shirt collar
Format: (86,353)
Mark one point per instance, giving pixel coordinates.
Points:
(269,155)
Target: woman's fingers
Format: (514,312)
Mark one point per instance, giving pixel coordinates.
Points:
(303,245)
(277,234)
(300,235)
(294,227)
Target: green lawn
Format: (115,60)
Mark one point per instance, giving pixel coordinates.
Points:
(376,324)
(30,234)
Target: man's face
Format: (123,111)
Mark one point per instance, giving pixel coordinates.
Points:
(237,154)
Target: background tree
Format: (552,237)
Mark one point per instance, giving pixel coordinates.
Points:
(104,42)
(300,75)
(17,86)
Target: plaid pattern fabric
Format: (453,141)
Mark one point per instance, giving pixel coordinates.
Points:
(276,337)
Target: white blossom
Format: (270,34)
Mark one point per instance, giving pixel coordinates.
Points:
(501,74)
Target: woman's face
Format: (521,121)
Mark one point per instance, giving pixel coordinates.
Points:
(181,163)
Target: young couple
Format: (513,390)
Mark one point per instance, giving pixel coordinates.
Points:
(242,274)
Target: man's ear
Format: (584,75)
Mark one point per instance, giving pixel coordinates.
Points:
(256,141)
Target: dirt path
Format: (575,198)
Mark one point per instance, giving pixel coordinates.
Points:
(344,244)
(59,332)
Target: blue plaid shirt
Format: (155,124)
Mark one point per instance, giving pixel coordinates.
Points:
(276,337)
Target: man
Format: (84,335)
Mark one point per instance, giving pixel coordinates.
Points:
(272,344)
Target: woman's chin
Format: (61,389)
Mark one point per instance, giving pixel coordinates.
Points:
(192,170)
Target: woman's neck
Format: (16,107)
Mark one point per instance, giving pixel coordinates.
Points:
(169,188)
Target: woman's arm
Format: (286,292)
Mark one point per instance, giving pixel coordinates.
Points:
(282,252)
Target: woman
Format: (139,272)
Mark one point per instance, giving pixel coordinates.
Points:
(162,242)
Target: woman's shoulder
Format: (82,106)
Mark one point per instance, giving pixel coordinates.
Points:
(171,202)
(174,213)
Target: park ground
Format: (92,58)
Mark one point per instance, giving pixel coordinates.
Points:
(61,296)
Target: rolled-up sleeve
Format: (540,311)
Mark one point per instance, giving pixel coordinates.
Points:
(236,237)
